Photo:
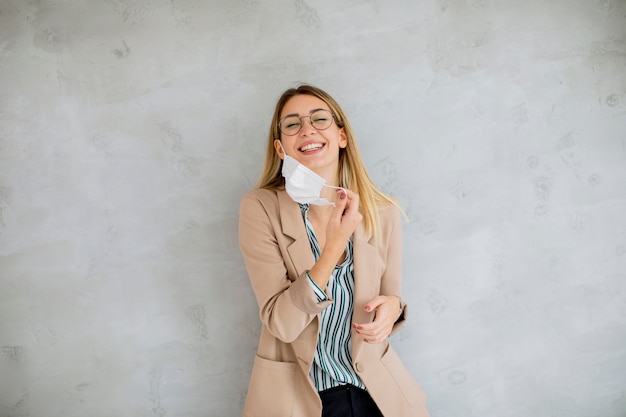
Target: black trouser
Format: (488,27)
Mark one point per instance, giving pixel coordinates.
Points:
(348,401)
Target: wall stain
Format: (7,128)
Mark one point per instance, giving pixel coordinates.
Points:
(565,146)
(62,81)
(541,210)
(429,227)
(460,191)
(605,5)
(577,222)
(543,188)
(197,315)
(48,40)
(437,302)
(5,196)
(102,142)
(182,18)
(566,141)
(594,179)
(453,376)
(8,47)
(307,15)
(520,115)
(390,183)
(132,11)
(173,139)
(497,268)
(122,53)
(80,389)
(479,39)
(479,4)
(456,378)
(20,403)
(12,353)
(5,199)
(613,100)
(532,162)
(157,409)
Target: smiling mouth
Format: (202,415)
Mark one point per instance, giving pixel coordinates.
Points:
(311,147)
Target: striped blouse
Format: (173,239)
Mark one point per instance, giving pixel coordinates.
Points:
(332,364)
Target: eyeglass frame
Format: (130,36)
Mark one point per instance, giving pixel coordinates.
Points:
(334,119)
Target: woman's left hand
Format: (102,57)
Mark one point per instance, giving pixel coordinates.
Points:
(387,310)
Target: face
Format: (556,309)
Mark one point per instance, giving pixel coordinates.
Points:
(316,149)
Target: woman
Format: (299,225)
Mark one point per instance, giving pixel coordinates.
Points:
(322,246)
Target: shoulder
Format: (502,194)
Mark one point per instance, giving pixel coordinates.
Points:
(262,195)
(390,222)
(389,214)
(264,199)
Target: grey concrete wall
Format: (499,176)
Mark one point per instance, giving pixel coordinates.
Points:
(129,130)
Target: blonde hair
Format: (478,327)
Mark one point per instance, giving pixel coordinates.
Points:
(352,172)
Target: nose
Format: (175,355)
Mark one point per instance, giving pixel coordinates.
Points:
(307,127)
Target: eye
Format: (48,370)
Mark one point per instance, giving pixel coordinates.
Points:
(290,124)
(321,116)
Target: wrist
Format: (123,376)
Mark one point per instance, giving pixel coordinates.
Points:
(401,305)
(333,250)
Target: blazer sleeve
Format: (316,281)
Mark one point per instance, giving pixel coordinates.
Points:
(280,299)
(391,281)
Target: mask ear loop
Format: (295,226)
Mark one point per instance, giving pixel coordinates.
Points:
(336,188)
(281,146)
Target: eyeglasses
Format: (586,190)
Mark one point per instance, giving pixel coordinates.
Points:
(320,119)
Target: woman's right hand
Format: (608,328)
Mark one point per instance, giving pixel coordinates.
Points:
(343,221)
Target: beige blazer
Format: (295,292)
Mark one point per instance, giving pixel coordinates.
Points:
(277,254)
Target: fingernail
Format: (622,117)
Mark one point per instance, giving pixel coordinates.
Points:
(367,308)
(342,195)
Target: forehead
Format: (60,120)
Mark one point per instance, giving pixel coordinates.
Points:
(303,104)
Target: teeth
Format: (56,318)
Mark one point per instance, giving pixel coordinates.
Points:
(311,147)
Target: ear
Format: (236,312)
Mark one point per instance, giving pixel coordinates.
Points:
(343,138)
(279,149)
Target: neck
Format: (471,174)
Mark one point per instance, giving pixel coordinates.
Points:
(330,174)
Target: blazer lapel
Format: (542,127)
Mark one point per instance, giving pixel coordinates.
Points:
(290,216)
(293,226)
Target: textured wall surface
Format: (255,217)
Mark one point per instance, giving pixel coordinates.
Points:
(130,129)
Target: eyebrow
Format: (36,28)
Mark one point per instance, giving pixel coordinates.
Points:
(310,113)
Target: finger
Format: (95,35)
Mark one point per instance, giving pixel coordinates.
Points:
(379,339)
(374,304)
(341,204)
(372,327)
(353,202)
(371,331)
(366,329)
(373,336)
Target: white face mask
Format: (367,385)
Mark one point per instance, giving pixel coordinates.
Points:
(303,185)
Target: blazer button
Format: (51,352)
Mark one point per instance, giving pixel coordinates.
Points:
(359,367)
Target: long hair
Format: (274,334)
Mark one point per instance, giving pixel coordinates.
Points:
(352,172)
